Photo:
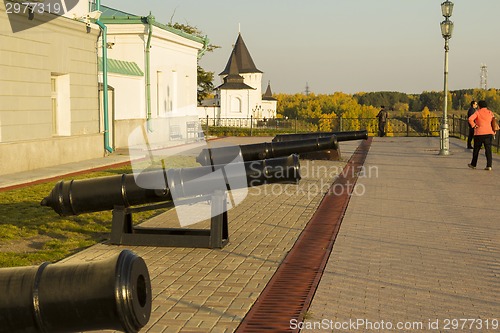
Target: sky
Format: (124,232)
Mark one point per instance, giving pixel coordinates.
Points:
(344,45)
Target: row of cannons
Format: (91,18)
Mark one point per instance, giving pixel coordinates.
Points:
(116,293)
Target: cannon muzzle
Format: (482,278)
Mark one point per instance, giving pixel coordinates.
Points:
(76,197)
(341,136)
(109,294)
(224,155)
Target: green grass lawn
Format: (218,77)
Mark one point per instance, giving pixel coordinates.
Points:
(31,234)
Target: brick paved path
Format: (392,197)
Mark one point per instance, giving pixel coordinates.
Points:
(211,290)
(420,246)
(423,242)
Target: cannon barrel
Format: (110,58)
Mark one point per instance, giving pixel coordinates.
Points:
(109,294)
(223,155)
(341,136)
(75,197)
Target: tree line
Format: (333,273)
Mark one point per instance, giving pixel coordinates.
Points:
(300,106)
(367,105)
(432,100)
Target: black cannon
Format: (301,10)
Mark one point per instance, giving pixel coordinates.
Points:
(333,154)
(105,193)
(167,188)
(223,155)
(341,136)
(109,294)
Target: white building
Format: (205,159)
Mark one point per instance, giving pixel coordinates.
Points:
(240,94)
(152,75)
(269,103)
(51,100)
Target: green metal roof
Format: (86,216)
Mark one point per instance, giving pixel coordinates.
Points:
(122,67)
(108,12)
(115,16)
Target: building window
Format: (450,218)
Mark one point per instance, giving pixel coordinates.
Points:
(61,104)
(173,96)
(53,97)
(236,105)
(161,101)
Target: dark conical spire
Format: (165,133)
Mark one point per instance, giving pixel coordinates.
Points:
(268,95)
(243,59)
(233,80)
(233,66)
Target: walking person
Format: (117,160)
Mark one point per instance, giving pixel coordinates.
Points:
(483,134)
(470,112)
(382,120)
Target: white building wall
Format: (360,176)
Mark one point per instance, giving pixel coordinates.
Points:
(254,80)
(129,90)
(129,96)
(178,65)
(173,56)
(173,77)
(269,109)
(236,103)
(33,134)
(252,98)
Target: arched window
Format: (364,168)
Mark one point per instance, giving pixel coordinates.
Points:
(236,105)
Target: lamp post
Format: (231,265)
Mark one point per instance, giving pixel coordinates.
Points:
(446,31)
(216,108)
(216,104)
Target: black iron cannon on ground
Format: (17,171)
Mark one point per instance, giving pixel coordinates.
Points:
(114,294)
(331,154)
(341,136)
(159,189)
(223,155)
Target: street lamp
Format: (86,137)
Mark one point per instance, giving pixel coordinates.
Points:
(446,31)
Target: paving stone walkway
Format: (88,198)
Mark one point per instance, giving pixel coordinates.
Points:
(211,290)
(421,247)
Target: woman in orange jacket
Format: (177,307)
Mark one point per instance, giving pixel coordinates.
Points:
(483,134)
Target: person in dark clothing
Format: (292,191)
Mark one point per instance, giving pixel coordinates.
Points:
(472,110)
(382,120)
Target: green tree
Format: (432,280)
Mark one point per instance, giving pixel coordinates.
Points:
(432,100)
(387,98)
(205,84)
(401,107)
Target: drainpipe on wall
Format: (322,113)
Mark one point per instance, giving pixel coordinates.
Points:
(150,20)
(104,30)
(206,41)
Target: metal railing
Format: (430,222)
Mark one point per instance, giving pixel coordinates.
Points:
(396,126)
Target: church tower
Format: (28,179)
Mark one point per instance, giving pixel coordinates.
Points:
(269,103)
(240,96)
